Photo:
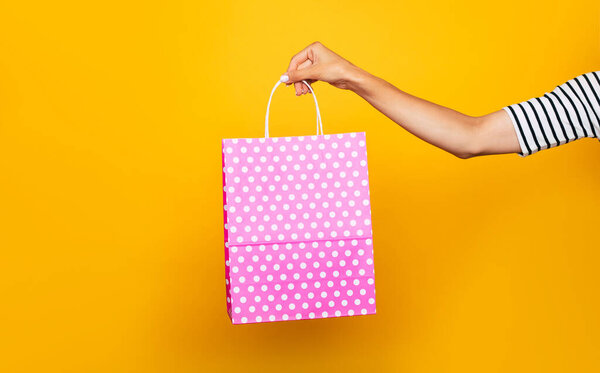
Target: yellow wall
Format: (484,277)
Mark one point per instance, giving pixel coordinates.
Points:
(111,116)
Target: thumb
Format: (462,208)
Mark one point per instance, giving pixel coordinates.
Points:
(295,76)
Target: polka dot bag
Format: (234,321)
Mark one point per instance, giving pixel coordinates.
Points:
(298,237)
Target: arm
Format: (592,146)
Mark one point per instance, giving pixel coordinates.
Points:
(457,133)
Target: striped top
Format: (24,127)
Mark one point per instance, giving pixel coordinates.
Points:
(571,111)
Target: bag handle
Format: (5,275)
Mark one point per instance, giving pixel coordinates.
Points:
(319,121)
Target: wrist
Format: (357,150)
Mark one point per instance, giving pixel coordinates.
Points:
(357,79)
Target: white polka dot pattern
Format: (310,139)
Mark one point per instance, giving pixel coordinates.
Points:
(297,228)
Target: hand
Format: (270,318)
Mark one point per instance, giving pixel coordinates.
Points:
(316,62)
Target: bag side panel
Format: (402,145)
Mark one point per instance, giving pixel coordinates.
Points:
(226,237)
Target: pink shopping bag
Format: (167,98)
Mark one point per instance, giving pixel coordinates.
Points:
(298,237)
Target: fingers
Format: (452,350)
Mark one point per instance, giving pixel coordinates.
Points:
(310,73)
(295,62)
(301,61)
(304,65)
(300,58)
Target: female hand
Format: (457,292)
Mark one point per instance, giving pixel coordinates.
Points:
(316,62)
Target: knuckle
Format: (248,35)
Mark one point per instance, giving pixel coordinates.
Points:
(295,57)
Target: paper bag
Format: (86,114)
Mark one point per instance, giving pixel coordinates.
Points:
(298,236)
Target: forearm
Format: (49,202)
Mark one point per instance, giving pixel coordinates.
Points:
(438,125)
(459,134)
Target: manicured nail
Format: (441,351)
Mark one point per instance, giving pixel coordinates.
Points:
(284,78)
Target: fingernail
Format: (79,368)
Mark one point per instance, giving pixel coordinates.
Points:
(284,78)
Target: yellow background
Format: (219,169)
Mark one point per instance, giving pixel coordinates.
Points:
(111,119)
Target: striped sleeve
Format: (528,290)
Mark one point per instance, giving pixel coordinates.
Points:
(571,111)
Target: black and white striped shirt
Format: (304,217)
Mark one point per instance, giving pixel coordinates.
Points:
(571,111)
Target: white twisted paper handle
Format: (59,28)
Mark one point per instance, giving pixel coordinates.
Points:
(319,121)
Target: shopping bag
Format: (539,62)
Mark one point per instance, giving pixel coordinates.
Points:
(297,218)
